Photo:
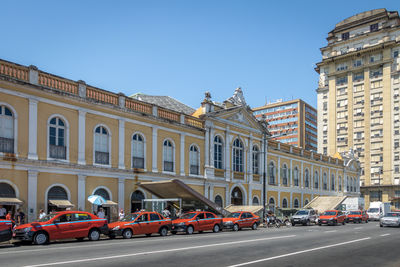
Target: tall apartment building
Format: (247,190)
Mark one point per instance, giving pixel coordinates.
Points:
(292,122)
(358,99)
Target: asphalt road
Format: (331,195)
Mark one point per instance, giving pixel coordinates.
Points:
(352,244)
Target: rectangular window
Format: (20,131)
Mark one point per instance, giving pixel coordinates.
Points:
(345,36)
(374,27)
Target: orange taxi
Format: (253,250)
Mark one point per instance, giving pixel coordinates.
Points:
(5,230)
(332,217)
(357,216)
(241,219)
(62,225)
(139,223)
(197,221)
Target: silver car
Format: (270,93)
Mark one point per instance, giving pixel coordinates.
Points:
(390,219)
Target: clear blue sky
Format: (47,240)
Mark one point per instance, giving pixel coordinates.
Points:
(179,48)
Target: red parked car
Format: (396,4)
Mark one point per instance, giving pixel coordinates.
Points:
(241,219)
(140,223)
(197,221)
(357,216)
(62,225)
(332,217)
(5,230)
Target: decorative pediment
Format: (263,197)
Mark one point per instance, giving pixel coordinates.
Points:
(239,117)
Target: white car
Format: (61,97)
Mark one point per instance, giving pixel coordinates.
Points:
(390,219)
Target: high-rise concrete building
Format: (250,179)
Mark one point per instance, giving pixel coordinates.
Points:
(292,122)
(358,99)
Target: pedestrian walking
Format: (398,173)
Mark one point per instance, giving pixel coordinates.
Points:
(19,217)
(42,214)
(3,212)
(9,215)
(166,213)
(101,214)
(121,214)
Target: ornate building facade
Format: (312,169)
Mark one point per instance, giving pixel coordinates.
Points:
(63,140)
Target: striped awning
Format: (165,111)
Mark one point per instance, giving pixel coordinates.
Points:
(10,201)
(109,203)
(61,203)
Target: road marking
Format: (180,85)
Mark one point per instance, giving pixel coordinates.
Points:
(385,234)
(125,242)
(358,228)
(159,251)
(331,231)
(300,252)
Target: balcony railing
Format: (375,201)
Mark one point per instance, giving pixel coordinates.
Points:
(6,145)
(168,166)
(137,162)
(102,158)
(58,152)
(194,169)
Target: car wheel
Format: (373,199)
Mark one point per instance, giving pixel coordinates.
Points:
(94,235)
(80,239)
(235,227)
(216,228)
(189,230)
(41,238)
(127,233)
(163,231)
(254,226)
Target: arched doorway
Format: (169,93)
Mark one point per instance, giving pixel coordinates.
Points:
(271,204)
(255,201)
(136,200)
(236,196)
(10,199)
(57,198)
(218,201)
(103,193)
(108,209)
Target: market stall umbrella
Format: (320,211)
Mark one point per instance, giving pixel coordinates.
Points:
(96,200)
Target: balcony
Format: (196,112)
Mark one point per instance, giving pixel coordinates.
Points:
(219,173)
(238,175)
(58,152)
(6,145)
(102,158)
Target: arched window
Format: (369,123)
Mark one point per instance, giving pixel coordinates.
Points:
(57,193)
(102,146)
(296,203)
(6,130)
(332,182)
(136,201)
(351,184)
(218,200)
(325,181)
(103,193)
(271,173)
(347,184)
(237,196)
(7,191)
(340,183)
(285,175)
(256,160)
(194,159)
(57,139)
(355,185)
(306,202)
(316,180)
(237,156)
(218,153)
(271,204)
(284,203)
(255,201)
(168,153)
(138,151)
(296,176)
(306,179)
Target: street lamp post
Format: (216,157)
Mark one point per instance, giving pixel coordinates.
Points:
(264,174)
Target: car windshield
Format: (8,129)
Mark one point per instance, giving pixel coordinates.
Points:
(188,216)
(392,214)
(48,217)
(234,215)
(130,217)
(373,210)
(329,213)
(355,212)
(302,212)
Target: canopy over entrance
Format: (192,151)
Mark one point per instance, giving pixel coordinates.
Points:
(10,201)
(234,208)
(191,199)
(61,203)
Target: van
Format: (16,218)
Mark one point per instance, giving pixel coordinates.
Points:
(378,209)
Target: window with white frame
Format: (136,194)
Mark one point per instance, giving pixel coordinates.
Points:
(285,175)
(332,182)
(340,183)
(57,147)
(316,180)
(325,181)
(256,160)
(6,130)
(237,156)
(306,179)
(284,203)
(271,172)
(296,176)
(194,158)
(218,152)
(168,153)
(101,144)
(138,151)
(296,203)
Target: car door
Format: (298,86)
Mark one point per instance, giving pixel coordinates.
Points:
(154,222)
(210,220)
(140,225)
(63,226)
(243,220)
(201,223)
(82,224)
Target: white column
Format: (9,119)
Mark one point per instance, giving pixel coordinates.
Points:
(121,144)
(32,148)
(32,195)
(154,150)
(278,168)
(250,161)
(212,133)
(302,176)
(182,154)
(227,196)
(81,137)
(312,179)
(227,157)
(291,199)
(81,192)
(302,201)
(290,174)
(279,199)
(329,180)
(121,193)
(207,148)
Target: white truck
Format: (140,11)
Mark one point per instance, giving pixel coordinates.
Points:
(378,209)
